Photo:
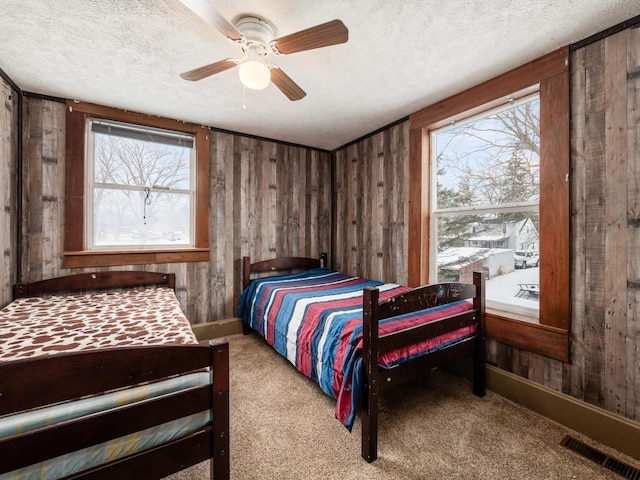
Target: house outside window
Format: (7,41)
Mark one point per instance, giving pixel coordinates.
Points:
(485,187)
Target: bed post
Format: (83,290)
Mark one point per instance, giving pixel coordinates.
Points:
(480,354)
(369,412)
(323,260)
(246,279)
(219,351)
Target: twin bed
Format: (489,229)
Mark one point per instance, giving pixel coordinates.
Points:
(357,337)
(108,384)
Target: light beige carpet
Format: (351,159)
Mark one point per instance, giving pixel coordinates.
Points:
(283,427)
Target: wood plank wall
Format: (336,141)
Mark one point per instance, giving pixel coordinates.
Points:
(265,198)
(42,190)
(8,195)
(606,223)
(371,206)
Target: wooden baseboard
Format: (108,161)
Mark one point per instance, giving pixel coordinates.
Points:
(605,427)
(217,329)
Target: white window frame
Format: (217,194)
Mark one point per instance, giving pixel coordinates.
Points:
(91,185)
(528,314)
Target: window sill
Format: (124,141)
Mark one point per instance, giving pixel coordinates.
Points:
(510,310)
(545,340)
(84,259)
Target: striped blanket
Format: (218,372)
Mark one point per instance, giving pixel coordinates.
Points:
(314,319)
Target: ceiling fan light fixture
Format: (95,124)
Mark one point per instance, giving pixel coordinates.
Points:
(255,36)
(254,74)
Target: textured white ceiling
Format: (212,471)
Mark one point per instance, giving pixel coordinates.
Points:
(402,55)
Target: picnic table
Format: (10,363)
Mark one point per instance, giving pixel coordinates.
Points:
(528,290)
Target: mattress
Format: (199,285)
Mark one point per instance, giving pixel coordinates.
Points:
(117,448)
(314,319)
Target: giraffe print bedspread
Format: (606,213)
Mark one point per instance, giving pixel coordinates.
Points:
(36,326)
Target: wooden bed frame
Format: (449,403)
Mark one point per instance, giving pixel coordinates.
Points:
(377,379)
(32,383)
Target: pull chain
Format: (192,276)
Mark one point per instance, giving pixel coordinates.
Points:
(147,201)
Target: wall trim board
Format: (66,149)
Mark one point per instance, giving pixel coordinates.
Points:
(605,427)
(371,134)
(11,83)
(605,33)
(19,172)
(217,328)
(40,96)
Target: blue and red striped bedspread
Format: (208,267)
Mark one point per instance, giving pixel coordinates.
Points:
(314,319)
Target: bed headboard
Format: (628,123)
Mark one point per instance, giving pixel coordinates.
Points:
(94,281)
(280,263)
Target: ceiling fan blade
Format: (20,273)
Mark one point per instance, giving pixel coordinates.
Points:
(208,70)
(205,10)
(323,35)
(286,85)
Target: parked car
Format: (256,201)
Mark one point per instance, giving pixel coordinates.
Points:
(524,259)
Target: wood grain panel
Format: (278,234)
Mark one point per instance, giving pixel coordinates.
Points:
(338,213)
(8,190)
(615,92)
(31,236)
(633,225)
(53,156)
(605,236)
(578,219)
(371,206)
(539,339)
(595,223)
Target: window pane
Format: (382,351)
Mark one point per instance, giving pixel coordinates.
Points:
(487,194)
(132,162)
(133,217)
(490,160)
(504,246)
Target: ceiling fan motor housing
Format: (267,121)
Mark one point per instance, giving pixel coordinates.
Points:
(256,30)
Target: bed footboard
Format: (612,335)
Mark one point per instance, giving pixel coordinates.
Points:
(66,377)
(379,380)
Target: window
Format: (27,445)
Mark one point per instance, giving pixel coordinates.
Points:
(136,189)
(549,77)
(485,187)
(140,184)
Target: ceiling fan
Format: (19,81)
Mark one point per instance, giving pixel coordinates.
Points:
(254,35)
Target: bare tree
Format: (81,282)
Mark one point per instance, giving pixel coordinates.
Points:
(497,157)
(142,172)
(489,161)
